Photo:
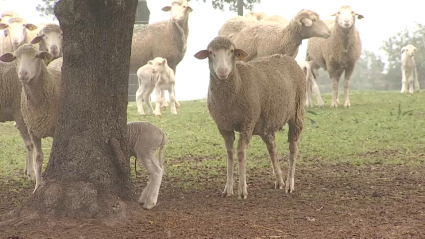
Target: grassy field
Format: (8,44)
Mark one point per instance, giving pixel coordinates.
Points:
(379,128)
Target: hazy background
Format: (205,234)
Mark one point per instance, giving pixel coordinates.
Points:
(383,18)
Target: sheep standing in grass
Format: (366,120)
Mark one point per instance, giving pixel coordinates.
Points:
(268,39)
(16,30)
(159,76)
(338,53)
(49,39)
(144,139)
(311,84)
(10,100)
(254,98)
(408,70)
(39,97)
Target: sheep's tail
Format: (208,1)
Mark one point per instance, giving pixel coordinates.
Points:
(296,125)
(160,153)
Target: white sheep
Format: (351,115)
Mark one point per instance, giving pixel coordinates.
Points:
(339,53)
(50,39)
(311,84)
(159,76)
(234,25)
(144,139)
(254,98)
(276,19)
(16,30)
(39,97)
(256,15)
(408,70)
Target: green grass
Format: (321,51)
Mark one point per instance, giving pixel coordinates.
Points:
(379,128)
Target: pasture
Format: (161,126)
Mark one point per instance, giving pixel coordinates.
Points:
(360,174)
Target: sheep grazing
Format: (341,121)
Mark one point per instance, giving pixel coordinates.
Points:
(39,97)
(144,139)
(311,84)
(156,74)
(408,70)
(338,53)
(276,19)
(256,15)
(254,98)
(268,39)
(10,99)
(16,31)
(49,39)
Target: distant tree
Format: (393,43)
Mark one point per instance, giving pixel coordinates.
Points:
(46,7)
(234,5)
(392,47)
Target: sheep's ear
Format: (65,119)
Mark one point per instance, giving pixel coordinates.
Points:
(7,57)
(240,54)
(150,62)
(30,26)
(3,26)
(307,22)
(166,9)
(334,14)
(189,8)
(45,55)
(359,16)
(37,39)
(403,49)
(202,54)
(164,61)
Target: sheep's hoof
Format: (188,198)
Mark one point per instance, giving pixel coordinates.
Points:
(347,104)
(178,104)
(243,195)
(157,114)
(279,185)
(289,188)
(149,205)
(334,105)
(227,193)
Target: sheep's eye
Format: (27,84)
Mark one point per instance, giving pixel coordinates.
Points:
(339,13)
(232,51)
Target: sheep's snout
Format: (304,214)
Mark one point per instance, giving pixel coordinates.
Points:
(222,72)
(15,41)
(23,76)
(54,50)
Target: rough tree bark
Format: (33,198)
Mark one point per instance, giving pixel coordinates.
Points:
(88,174)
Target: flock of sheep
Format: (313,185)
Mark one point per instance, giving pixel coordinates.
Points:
(256,86)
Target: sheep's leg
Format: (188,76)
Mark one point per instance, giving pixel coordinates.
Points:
(29,167)
(309,102)
(403,81)
(410,82)
(294,133)
(415,78)
(269,140)
(229,139)
(335,76)
(316,90)
(175,69)
(347,76)
(147,97)
(164,103)
(172,100)
(244,138)
(38,162)
(139,101)
(158,101)
(149,195)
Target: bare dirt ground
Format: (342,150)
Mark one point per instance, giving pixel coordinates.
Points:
(344,201)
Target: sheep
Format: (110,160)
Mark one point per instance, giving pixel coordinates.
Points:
(311,84)
(4,17)
(276,19)
(16,30)
(256,15)
(254,98)
(156,74)
(10,98)
(267,39)
(338,53)
(144,139)
(50,39)
(39,97)
(408,70)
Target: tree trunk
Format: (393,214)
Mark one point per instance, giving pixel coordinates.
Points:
(240,7)
(88,174)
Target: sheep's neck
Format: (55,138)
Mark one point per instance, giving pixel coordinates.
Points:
(344,35)
(34,92)
(180,31)
(225,90)
(291,39)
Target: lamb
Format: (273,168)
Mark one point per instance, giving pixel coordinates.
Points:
(144,139)
(16,36)
(267,39)
(256,15)
(254,98)
(156,74)
(50,39)
(408,70)
(10,98)
(338,53)
(39,97)
(276,19)
(310,84)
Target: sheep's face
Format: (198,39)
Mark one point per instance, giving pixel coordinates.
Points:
(16,29)
(314,27)
(158,65)
(180,9)
(52,41)
(345,17)
(28,62)
(409,50)
(222,56)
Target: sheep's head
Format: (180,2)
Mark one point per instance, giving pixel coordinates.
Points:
(28,61)
(4,17)
(409,50)
(158,65)
(312,25)
(16,29)
(345,17)
(50,39)
(180,10)
(222,54)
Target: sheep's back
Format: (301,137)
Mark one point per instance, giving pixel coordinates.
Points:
(10,90)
